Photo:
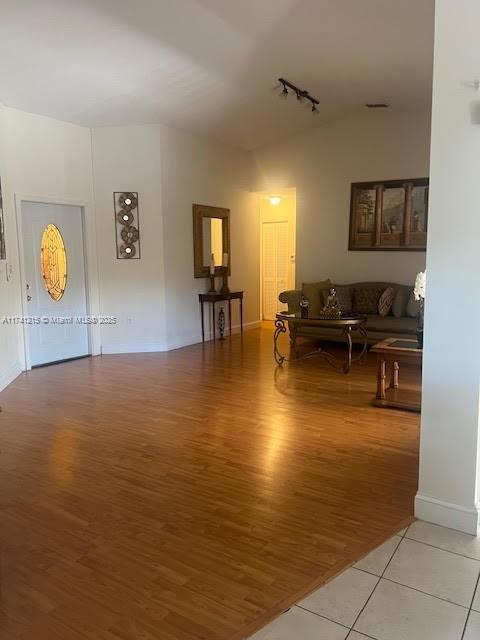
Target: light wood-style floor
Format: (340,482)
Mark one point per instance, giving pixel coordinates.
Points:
(190,495)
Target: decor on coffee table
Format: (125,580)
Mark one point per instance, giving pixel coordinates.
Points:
(343,326)
(419,294)
(389,215)
(331,310)
(304,307)
(127,233)
(391,352)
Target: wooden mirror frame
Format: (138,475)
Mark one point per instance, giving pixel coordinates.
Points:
(201,211)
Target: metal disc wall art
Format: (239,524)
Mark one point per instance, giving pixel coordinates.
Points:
(127,224)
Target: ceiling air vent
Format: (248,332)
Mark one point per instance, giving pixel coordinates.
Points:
(377,105)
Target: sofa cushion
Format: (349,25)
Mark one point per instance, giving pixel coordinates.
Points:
(365,299)
(391,324)
(386,301)
(313,292)
(399,307)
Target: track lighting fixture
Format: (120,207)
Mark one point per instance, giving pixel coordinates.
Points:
(302,94)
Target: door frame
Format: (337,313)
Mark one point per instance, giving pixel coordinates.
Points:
(91,269)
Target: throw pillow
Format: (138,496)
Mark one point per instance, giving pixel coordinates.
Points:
(365,300)
(344,297)
(313,292)
(399,308)
(386,301)
(413,307)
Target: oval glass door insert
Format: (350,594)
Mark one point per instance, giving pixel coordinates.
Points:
(53,259)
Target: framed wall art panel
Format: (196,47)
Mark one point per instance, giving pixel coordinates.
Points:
(389,215)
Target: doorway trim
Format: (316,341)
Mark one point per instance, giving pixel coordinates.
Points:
(91,269)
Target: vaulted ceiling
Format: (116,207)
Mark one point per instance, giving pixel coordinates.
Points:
(210,66)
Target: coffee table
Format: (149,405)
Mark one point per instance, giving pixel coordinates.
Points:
(344,325)
(392,351)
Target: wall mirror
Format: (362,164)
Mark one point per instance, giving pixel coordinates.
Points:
(211,235)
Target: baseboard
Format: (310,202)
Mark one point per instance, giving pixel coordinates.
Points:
(9,375)
(170,345)
(447,514)
(196,339)
(133,347)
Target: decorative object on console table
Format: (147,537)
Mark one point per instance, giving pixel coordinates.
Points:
(127,233)
(389,215)
(212,274)
(213,298)
(225,288)
(419,293)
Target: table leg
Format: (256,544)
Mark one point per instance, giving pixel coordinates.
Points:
(293,339)
(203,321)
(394,382)
(381,375)
(348,365)
(213,320)
(230,318)
(279,329)
(241,316)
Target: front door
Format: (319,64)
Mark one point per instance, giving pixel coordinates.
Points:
(55,281)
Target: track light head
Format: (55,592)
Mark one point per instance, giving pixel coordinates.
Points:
(302,94)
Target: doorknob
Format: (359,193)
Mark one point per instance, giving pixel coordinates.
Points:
(28,298)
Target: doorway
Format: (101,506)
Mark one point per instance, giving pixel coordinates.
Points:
(278,223)
(56,328)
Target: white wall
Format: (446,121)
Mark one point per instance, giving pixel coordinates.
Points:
(449,451)
(156,298)
(195,170)
(128,159)
(321,165)
(45,159)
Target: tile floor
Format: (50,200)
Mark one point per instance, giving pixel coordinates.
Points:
(422,584)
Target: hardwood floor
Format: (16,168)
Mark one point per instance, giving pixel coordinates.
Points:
(190,495)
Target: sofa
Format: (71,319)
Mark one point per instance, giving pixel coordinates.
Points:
(400,320)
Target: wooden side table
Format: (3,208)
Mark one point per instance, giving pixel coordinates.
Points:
(391,352)
(213,298)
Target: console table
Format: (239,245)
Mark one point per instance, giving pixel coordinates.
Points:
(213,298)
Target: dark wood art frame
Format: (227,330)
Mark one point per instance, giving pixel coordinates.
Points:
(201,211)
(378,234)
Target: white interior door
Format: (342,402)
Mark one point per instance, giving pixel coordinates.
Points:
(275,266)
(55,281)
